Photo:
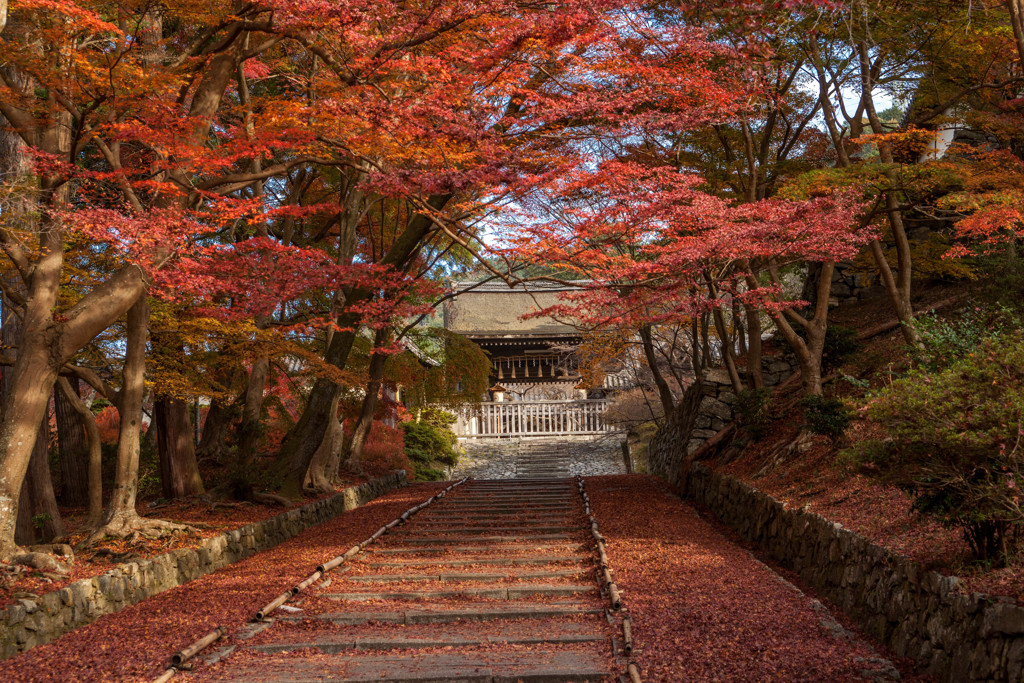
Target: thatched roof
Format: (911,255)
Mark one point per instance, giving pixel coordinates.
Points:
(494,309)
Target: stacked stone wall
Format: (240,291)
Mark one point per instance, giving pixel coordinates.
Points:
(917,613)
(28,623)
(718,408)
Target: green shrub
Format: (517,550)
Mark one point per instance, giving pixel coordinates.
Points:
(753,405)
(827,416)
(957,442)
(429,442)
(840,343)
(944,340)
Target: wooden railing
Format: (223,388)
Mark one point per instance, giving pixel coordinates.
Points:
(533,418)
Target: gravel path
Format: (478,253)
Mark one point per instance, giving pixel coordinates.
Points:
(704,609)
(136,643)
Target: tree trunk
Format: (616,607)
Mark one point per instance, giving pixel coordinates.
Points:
(668,401)
(305,438)
(899,288)
(72,447)
(319,476)
(95,468)
(378,361)
(215,430)
(249,430)
(32,379)
(808,353)
(179,471)
(755,357)
(39,520)
(121,507)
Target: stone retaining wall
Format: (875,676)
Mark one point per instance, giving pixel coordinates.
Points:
(918,614)
(28,623)
(670,445)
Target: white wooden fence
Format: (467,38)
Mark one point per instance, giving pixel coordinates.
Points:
(533,418)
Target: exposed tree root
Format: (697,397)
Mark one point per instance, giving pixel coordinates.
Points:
(120,527)
(270,499)
(41,561)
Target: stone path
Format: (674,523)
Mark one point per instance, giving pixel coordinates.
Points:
(493,583)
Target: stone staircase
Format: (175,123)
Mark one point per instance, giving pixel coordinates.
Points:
(540,459)
(494,583)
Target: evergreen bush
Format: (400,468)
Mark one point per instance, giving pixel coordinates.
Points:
(430,443)
(957,442)
(827,416)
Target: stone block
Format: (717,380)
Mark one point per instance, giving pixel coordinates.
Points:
(715,408)
(1002,618)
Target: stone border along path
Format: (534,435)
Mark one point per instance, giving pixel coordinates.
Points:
(492,583)
(28,623)
(618,612)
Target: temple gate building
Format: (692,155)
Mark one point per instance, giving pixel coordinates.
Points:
(535,380)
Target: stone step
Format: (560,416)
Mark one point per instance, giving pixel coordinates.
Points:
(513,501)
(441,515)
(337,646)
(496,593)
(495,561)
(451,528)
(564,507)
(464,576)
(470,538)
(334,643)
(446,614)
(496,522)
(552,666)
(465,549)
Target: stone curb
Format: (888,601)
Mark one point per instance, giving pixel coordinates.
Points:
(28,623)
(917,613)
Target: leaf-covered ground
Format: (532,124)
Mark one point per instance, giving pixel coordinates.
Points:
(704,609)
(136,643)
(204,520)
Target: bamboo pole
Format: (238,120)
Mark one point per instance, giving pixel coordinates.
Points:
(165,676)
(195,648)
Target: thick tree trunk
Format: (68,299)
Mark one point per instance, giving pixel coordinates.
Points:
(252,409)
(319,476)
(72,447)
(305,439)
(179,471)
(39,520)
(378,362)
(808,352)
(95,468)
(32,379)
(215,430)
